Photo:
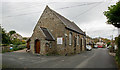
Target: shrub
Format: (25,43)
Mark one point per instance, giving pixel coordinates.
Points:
(23,42)
(117,40)
(5,49)
(14,47)
(16,42)
(19,47)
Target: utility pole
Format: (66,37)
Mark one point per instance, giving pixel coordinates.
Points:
(113,41)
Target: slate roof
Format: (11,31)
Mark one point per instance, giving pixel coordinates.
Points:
(69,24)
(48,35)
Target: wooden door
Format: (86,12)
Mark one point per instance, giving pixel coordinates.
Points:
(28,45)
(37,46)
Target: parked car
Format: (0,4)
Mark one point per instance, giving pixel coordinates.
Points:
(99,46)
(88,48)
(95,46)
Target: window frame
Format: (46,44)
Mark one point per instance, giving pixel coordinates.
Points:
(70,38)
(78,40)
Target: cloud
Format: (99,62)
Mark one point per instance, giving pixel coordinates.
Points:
(23,16)
(57,0)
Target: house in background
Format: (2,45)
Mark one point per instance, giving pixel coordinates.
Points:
(100,44)
(16,36)
(89,41)
(54,34)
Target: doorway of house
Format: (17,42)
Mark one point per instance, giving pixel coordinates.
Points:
(75,45)
(28,45)
(37,46)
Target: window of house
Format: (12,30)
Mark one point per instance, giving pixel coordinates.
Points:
(77,39)
(65,40)
(70,38)
(50,45)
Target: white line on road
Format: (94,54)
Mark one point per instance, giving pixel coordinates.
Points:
(81,65)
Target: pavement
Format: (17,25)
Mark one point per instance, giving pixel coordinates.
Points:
(97,58)
(24,50)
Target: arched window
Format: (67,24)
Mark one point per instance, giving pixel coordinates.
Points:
(77,39)
(70,38)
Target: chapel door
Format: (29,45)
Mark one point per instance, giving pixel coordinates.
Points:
(37,46)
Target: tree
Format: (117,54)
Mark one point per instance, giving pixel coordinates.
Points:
(16,42)
(11,32)
(113,15)
(5,37)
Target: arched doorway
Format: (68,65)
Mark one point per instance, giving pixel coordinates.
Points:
(28,45)
(37,46)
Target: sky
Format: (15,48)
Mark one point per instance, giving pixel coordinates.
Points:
(22,15)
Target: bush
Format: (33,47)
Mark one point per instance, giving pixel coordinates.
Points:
(16,42)
(117,40)
(23,42)
(19,47)
(5,49)
(14,47)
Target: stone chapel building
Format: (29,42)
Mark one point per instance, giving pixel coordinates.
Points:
(54,34)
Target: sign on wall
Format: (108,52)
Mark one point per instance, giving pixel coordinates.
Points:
(59,40)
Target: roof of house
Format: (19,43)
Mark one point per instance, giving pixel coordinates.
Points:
(68,23)
(16,35)
(48,35)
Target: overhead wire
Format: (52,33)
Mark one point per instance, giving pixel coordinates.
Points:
(56,9)
(91,9)
(75,17)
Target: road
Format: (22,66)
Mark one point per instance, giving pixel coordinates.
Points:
(97,58)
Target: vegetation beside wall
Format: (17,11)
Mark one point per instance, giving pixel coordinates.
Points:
(14,48)
(8,44)
(117,40)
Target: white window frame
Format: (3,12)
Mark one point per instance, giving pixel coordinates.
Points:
(77,39)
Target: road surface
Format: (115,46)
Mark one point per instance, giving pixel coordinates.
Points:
(97,58)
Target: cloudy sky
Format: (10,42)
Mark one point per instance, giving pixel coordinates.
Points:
(22,15)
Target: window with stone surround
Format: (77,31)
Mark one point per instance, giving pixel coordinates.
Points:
(70,38)
(77,39)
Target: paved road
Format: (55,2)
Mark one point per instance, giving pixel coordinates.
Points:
(97,58)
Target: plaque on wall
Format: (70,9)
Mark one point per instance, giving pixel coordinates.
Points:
(59,40)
